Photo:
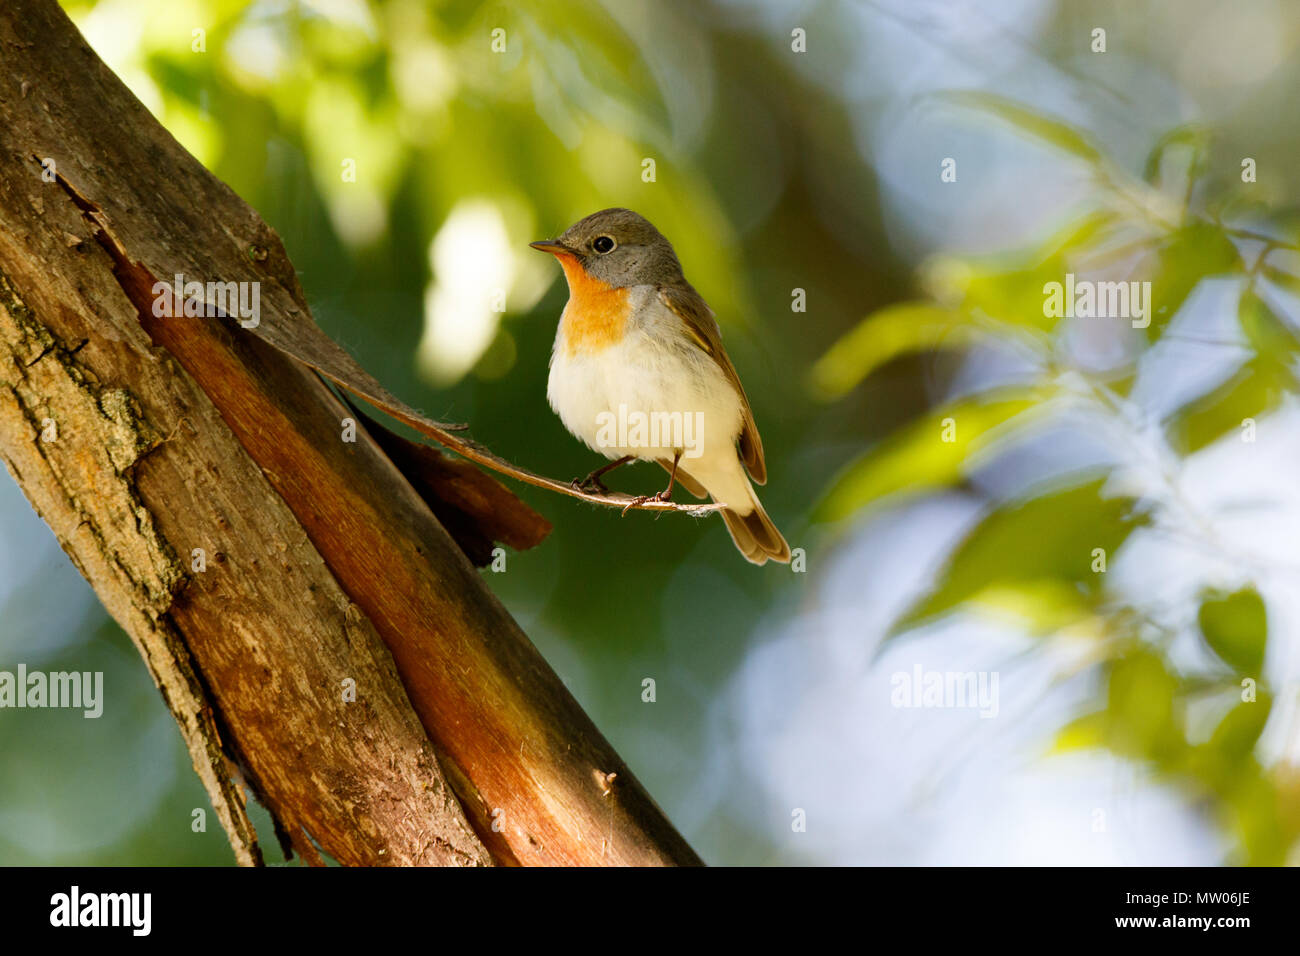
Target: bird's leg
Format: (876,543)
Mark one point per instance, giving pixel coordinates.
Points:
(592,482)
(665,495)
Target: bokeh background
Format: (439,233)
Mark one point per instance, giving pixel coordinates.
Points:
(948,457)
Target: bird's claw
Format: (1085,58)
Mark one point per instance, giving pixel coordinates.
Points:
(645,499)
(591,484)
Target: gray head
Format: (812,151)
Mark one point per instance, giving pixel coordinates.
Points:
(618,247)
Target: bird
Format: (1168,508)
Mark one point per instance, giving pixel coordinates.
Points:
(638,372)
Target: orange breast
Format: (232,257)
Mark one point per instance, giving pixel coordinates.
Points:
(596,316)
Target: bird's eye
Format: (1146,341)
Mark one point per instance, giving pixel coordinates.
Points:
(603,244)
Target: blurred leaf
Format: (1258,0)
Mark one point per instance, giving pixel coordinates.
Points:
(1015,295)
(916,459)
(1010,288)
(1267,334)
(1253,811)
(1083,733)
(1142,717)
(1038,607)
(1285,777)
(1083,233)
(1049,537)
(1037,125)
(1288,281)
(1195,138)
(885,335)
(1243,209)
(1188,255)
(1237,733)
(1235,626)
(1257,387)
(1226,766)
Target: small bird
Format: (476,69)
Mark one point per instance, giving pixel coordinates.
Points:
(638,372)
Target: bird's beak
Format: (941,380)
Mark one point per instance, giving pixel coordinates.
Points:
(553,246)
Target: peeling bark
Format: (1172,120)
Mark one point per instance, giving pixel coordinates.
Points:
(90,501)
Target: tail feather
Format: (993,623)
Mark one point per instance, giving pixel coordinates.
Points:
(756,536)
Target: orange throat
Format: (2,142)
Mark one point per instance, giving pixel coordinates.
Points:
(596,315)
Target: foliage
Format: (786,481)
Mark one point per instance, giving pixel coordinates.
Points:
(1038,554)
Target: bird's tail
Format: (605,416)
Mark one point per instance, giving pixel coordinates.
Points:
(755,534)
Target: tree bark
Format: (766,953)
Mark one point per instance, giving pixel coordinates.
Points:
(196,473)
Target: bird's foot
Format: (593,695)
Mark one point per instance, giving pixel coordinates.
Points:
(639,500)
(591,484)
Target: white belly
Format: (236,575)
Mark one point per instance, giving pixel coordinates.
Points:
(647,399)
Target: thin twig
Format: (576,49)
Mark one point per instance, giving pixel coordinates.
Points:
(479,454)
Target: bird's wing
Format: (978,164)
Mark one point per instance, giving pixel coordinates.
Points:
(697,319)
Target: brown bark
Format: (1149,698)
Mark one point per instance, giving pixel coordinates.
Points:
(141,439)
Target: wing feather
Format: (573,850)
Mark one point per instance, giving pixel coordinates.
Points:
(699,323)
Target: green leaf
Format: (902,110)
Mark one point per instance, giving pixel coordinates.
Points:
(1015,295)
(1083,733)
(1142,716)
(1235,737)
(1235,626)
(1037,607)
(1267,334)
(917,459)
(1256,388)
(1084,233)
(1252,808)
(1189,254)
(1051,537)
(1243,209)
(1195,138)
(1288,281)
(885,335)
(1039,126)
(1009,288)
